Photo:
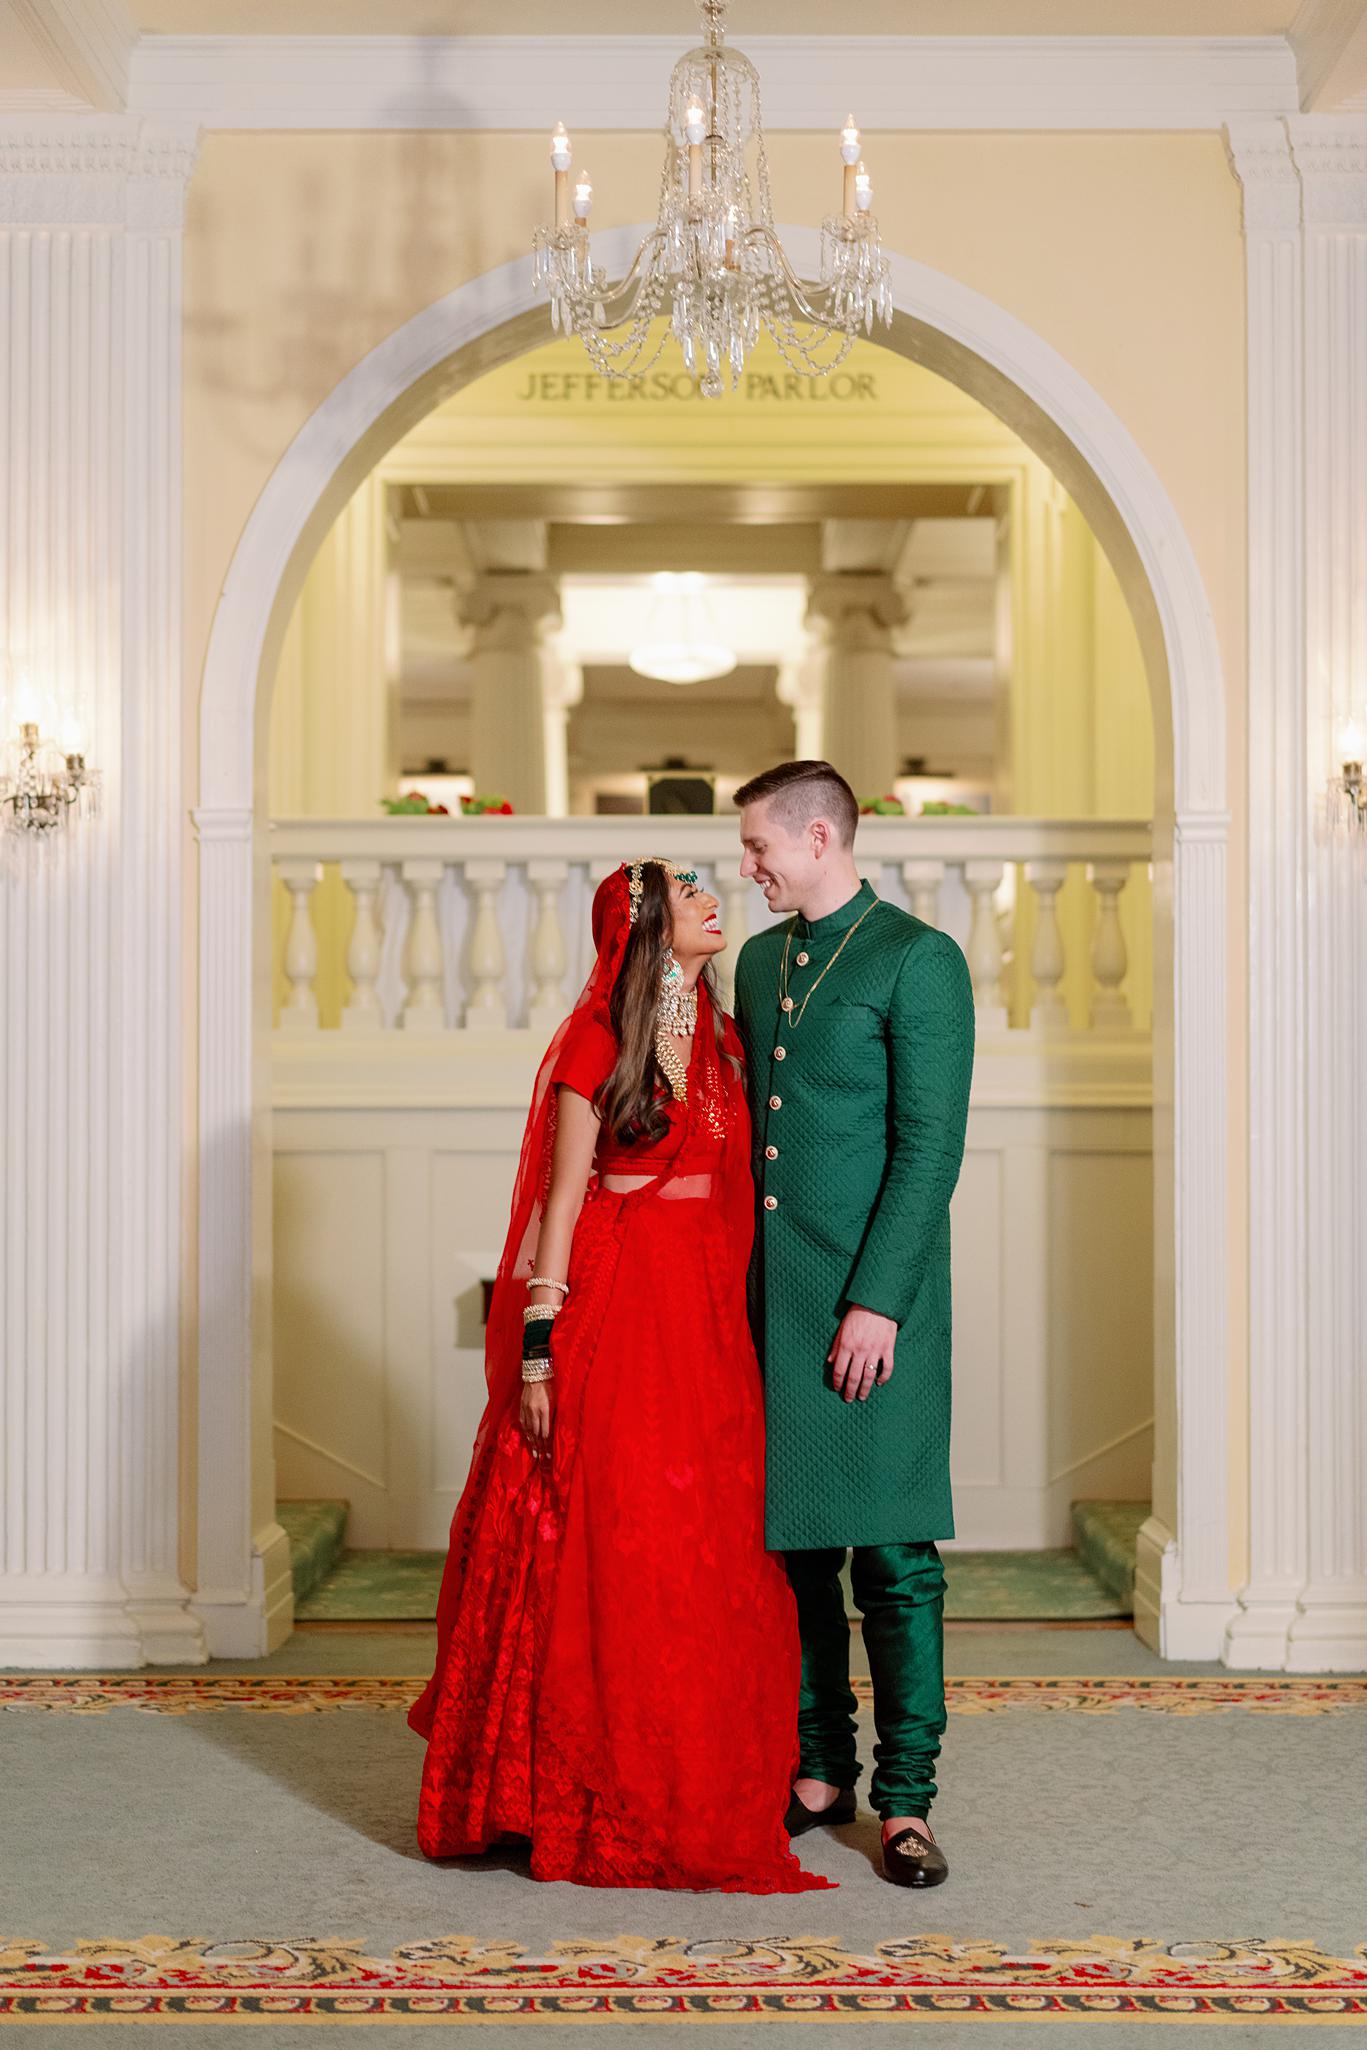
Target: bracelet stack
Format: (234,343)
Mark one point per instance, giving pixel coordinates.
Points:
(536,1351)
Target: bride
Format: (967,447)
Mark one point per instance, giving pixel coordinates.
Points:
(617,1655)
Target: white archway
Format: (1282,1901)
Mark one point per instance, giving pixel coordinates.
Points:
(1184,1556)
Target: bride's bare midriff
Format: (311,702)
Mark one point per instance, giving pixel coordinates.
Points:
(682,1186)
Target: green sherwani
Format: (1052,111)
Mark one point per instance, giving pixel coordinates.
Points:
(859,1135)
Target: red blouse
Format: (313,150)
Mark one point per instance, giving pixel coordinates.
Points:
(589,1056)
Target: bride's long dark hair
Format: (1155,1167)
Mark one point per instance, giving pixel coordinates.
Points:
(632,1101)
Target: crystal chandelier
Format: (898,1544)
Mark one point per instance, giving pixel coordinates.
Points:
(43,781)
(1346,797)
(714,251)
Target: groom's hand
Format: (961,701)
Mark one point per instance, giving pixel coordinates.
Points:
(861,1357)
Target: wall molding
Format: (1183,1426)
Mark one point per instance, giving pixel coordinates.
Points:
(88,45)
(618,83)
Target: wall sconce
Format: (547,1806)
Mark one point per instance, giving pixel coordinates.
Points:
(44,780)
(1347,794)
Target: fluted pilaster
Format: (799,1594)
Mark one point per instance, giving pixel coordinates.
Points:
(90,534)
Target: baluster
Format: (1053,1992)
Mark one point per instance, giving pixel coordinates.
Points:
(1048,1012)
(487,1010)
(549,959)
(424,1010)
(923,880)
(984,951)
(362,1012)
(299,1012)
(1110,1006)
(735,893)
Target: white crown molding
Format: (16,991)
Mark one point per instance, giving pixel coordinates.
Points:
(610,83)
(1329,38)
(87,44)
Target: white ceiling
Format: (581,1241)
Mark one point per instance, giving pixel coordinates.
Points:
(748,17)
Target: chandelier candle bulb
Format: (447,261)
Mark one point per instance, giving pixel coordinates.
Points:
(560,164)
(849,157)
(583,196)
(863,189)
(695,130)
(1350,745)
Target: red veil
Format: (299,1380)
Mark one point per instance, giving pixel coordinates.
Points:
(576,1699)
(590,1018)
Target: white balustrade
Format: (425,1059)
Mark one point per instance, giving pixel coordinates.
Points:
(424,1010)
(549,956)
(505,940)
(1110,1008)
(362,1012)
(923,881)
(487,1010)
(982,879)
(1048,1013)
(299,1012)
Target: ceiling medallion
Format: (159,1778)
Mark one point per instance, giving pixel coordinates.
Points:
(714,253)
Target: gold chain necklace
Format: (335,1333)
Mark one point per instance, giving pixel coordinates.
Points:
(785,1002)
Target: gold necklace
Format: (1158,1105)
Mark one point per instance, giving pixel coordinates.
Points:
(785,1002)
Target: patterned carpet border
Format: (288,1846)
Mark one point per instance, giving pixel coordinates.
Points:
(322,1693)
(635,1978)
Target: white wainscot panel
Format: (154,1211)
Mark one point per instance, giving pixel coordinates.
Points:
(329,1333)
(1053,1321)
(390,1218)
(471,1195)
(978,1236)
(1101,1322)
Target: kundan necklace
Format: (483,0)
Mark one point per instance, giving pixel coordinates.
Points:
(677,1018)
(785,1002)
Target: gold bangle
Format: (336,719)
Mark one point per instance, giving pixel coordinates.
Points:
(544,1281)
(540,1313)
(537,1370)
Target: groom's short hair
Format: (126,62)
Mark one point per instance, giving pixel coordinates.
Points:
(799,792)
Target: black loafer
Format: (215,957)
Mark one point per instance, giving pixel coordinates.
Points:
(800,1818)
(910,1859)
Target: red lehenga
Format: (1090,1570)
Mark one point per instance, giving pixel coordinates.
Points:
(617,1654)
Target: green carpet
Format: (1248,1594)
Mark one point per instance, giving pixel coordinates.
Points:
(1052,1586)
(317,1534)
(251,1864)
(1105,1535)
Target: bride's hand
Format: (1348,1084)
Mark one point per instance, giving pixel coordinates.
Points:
(536,1417)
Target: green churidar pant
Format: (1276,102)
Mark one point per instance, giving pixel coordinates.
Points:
(900,1591)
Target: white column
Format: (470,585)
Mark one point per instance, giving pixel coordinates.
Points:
(91,1096)
(1329,1629)
(802,687)
(854,616)
(562,688)
(510,611)
(1277,1310)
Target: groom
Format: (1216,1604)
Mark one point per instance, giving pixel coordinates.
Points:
(858,1027)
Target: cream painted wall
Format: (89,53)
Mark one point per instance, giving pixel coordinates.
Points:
(1122,251)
